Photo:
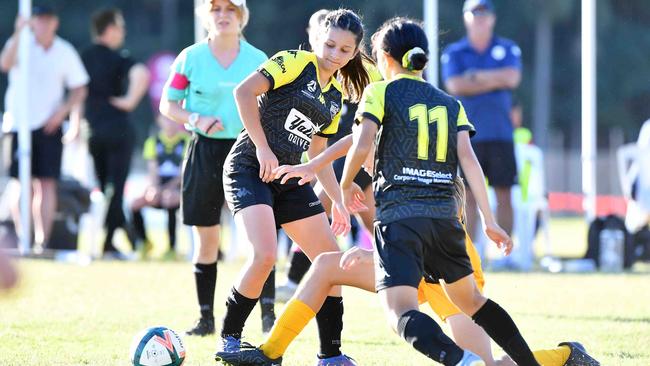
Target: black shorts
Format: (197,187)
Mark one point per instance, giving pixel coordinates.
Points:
(417,247)
(202,187)
(362,178)
(46,154)
(290,202)
(497,159)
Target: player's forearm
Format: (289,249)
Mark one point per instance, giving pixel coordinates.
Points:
(173,110)
(338,150)
(353,162)
(476,180)
(325,175)
(362,145)
(327,179)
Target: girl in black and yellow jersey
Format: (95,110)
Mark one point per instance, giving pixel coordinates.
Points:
(423,136)
(299,262)
(299,107)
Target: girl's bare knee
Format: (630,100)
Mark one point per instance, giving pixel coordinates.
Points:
(265,258)
(326,261)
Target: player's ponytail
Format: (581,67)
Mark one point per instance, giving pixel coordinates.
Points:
(354,76)
(415,59)
(405,41)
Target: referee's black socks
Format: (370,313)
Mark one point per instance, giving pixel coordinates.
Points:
(205,276)
(330,326)
(426,336)
(238,308)
(502,329)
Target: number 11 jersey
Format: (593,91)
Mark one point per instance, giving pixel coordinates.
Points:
(415,160)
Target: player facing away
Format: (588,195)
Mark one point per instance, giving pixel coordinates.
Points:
(299,107)
(424,135)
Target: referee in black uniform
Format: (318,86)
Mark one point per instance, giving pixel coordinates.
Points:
(117,84)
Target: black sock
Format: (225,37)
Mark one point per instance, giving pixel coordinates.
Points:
(502,329)
(238,308)
(138,225)
(267,298)
(426,336)
(298,266)
(171,227)
(330,326)
(205,276)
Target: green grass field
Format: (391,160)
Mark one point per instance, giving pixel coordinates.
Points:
(65,314)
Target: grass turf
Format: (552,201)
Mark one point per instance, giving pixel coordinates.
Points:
(71,315)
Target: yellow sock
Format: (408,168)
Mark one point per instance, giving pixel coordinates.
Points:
(294,318)
(553,357)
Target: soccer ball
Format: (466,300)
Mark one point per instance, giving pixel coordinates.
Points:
(157,346)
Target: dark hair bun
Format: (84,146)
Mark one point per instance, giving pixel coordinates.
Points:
(418,60)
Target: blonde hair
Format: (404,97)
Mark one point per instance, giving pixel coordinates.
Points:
(204,10)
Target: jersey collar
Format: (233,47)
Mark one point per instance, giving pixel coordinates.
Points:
(408,76)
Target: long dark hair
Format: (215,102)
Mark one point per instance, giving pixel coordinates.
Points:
(405,41)
(354,76)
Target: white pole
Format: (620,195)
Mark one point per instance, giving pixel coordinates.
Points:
(199,31)
(588,106)
(24,133)
(431,28)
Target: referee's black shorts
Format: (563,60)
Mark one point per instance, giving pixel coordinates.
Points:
(290,202)
(416,247)
(202,187)
(497,159)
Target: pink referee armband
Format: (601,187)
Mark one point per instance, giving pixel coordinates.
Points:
(179,81)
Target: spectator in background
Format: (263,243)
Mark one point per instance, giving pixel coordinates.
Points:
(117,84)
(164,153)
(528,195)
(54,66)
(482,69)
(199,93)
(634,173)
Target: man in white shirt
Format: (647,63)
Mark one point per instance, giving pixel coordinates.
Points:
(54,67)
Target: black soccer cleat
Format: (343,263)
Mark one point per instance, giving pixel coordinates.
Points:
(203,327)
(579,355)
(247,356)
